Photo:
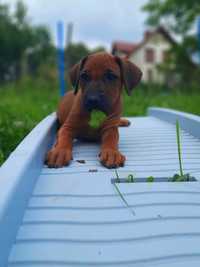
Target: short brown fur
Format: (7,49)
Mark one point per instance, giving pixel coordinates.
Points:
(74,118)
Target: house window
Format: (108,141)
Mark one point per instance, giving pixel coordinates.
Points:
(149,55)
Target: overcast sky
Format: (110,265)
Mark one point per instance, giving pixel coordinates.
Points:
(96,22)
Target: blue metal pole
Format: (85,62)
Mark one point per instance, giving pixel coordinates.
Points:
(61,57)
(198,36)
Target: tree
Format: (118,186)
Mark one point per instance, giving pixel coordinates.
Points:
(20,14)
(20,42)
(178,17)
(42,51)
(75,52)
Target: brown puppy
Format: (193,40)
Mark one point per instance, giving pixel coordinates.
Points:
(98,81)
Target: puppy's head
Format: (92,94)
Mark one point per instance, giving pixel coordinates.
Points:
(101,77)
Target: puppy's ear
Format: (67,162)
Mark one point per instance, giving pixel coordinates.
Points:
(130,73)
(74,74)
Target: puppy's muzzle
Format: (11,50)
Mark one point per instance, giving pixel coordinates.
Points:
(93,102)
(97,101)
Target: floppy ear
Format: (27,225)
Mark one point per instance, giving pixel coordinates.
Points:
(74,74)
(130,73)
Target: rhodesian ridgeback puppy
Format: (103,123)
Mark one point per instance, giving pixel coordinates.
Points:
(98,81)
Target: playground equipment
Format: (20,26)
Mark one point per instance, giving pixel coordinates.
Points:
(73,216)
(61,57)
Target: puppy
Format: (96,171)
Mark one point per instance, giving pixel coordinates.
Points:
(98,81)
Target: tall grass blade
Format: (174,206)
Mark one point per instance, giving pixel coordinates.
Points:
(117,175)
(179,147)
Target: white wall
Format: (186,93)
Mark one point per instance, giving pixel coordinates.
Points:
(159,44)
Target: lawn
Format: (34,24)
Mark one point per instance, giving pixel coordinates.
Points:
(25,103)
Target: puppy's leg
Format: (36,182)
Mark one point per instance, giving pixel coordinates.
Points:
(124,122)
(110,156)
(69,117)
(65,106)
(61,153)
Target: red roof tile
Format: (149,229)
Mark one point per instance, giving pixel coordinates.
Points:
(126,48)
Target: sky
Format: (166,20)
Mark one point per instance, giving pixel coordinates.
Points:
(95,22)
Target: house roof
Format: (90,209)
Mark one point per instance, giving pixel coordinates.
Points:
(124,47)
(130,48)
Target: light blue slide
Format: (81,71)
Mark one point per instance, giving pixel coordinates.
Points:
(74,216)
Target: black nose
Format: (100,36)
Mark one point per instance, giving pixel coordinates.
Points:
(92,102)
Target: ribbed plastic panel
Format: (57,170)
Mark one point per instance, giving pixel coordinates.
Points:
(75,217)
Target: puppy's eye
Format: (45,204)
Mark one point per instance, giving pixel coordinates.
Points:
(85,77)
(110,76)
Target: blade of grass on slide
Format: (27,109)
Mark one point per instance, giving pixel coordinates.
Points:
(123,199)
(179,146)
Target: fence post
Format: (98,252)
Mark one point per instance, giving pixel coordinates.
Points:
(61,57)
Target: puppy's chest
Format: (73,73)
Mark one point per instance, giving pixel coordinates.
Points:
(91,130)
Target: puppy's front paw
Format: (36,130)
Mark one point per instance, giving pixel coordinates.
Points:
(58,157)
(112,158)
(124,122)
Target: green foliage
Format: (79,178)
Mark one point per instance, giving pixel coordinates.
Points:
(178,17)
(20,13)
(75,52)
(181,178)
(42,51)
(178,139)
(121,195)
(130,178)
(26,102)
(96,119)
(1,157)
(184,99)
(22,106)
(150,179)
(22,45)
(123,199)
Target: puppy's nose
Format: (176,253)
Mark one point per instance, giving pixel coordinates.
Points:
(92,102)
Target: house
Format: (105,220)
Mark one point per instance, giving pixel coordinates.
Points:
(148,54)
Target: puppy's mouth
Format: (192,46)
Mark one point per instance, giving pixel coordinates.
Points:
(96,102)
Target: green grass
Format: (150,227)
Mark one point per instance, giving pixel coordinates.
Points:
(142,98)
(121,194)
(130,178)
(181,177)
(178,138)
(24,104)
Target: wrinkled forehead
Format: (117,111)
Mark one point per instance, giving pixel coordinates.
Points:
(100,63)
